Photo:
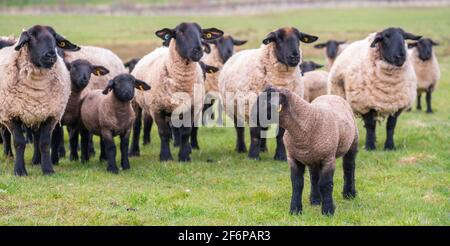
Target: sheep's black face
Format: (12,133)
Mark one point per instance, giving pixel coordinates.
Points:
(424,47)
(225,46)
(287,42)
(123,86)
(332,47)
(80,73)
(188,37)
(307,66)
(131,64)
(392,45)
(268,106)
(42,42)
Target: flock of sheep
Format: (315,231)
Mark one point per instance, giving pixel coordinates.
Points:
(47,81)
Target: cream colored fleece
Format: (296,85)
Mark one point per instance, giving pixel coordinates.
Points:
(427,72)
(316,84)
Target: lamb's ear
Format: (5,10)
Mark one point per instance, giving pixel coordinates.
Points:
(211,33)
(407,35)
(237,42)
(320,46)
(99,70)
(141,85)
(434,43)
(412,45)
(109,87)
(166,35)
(206,47)
(24,38)
(317,65)
(307,38)
(270,38)
(65,44)
(377,39)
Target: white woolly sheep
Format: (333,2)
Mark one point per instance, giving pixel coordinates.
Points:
(315,82)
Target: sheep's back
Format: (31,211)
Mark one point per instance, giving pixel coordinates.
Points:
(315,83)
(89,111)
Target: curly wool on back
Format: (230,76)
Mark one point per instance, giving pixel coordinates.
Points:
(316,84)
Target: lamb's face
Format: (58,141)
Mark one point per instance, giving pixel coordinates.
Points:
(80,73)
(287,42)
(307,66)
(225,46)
(188,37)
(207,69)
(391,42)
(332,47)
(42,42)
(424,47)
(268,106)
(123,86)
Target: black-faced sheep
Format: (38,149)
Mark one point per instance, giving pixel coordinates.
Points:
(333,49)
(315,82)
(131,63)
(109,113)
(375,75)
(34,89)
(246,73)
(308,66)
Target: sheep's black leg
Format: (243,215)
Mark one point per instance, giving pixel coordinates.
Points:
(370,125)
(61,147)
(314,197)
(240,140)
(349,159)
(29,134)
(110,148)
(176,136)
(134,149)
(44,145)
(55,142)
(91,145)
(124,141)
(194,140)
(428,98)
(165,132)
(103,155)
(326,187)
(185,148)
(6,135)
(19,145)
(390,127)
(263,143)
(280,152)
(36,159)
(419,101)
(297,180)
(84,145)
(73,140)
(255,142)
(148,122)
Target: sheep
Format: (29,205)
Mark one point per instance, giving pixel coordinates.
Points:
(177,83)
(80,73)
(316,84)
(376,77)
(333,49)
(7,41)
(109,113)
(245,75)
(31,70)
(308,66)
(427,69)
(316,135)
(131,63)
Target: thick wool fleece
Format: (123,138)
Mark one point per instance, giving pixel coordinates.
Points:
(366,81)
(172,79)
(104,112)
(101,57)
(427,72)
(245,75)
(330,61)
(322,130)
(29,93)
(316,84)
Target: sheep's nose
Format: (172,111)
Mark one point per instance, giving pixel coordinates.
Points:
(51,54)
(294,58)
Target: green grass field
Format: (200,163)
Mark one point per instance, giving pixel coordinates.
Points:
(220,187)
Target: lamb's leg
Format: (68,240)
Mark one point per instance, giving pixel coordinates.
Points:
(36,159)
(390,127)
(326,186)
(44,146)
(103,155)
(61,147)
(91,145)
(370,125)
(6,135)
(176,136)
(134,149)
(314,197)
(263,143)
(255,142)
(124,140)
(84,145)
(240,140)
(280,152)
(297,180)
(73,140)
(428,98)
(349,159)
(148,122)
(55,142)
(110,149)
(419,101)
(165,132)
(194,140)
(185,148)
(19,145)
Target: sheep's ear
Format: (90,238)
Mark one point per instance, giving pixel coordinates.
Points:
(211,33)
(65,44)
(434,43)
(412,45)
(109,87)
(342,42)
(307,38)
(211,69)
(237,42)
(317,65)
(377,39)
(407,35)
(270,38)
(206,47)
(166,35)
(99,70)
(320,46)
(141,85)
(67,65)
(24,39)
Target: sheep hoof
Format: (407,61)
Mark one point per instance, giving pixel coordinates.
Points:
(73,157)
(194,146)
(370,147)
(134,153)
(328,210)
(389,147)
(184,159)
(348,195)
(419,108)
(296,211)
(20,172)
(280,157)
(48,171)
(256,158)
(125,166)
(429,111)
(112,170)
(165,158)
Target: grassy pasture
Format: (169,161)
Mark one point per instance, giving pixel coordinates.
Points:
(220,187)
